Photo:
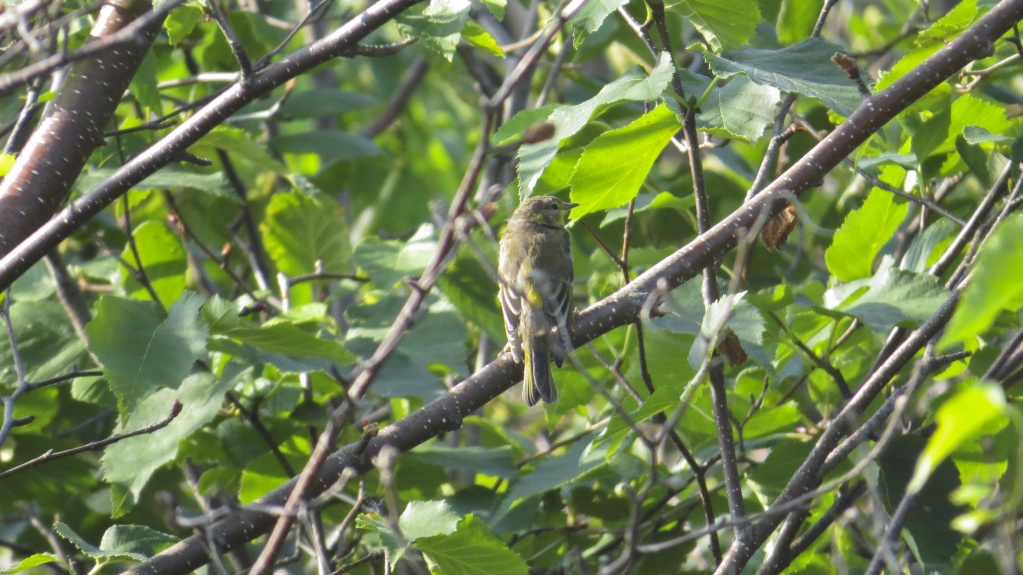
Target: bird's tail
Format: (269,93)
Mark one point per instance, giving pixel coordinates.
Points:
(537,381)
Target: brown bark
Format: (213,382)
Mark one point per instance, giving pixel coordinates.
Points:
(55,154)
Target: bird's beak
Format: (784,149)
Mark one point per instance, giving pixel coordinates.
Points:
(570,205)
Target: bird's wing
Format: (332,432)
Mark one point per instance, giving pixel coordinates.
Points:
(511,308)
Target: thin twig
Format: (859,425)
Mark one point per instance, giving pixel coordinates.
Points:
(95,445)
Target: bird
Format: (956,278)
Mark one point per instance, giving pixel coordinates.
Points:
(535,289)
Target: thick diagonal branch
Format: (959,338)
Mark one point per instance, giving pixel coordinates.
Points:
(55,154)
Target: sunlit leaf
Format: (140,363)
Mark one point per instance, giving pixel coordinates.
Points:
(724,25)
(862,235)
(805,68)
(962,418)
(991,289)
(613,167)
(568,120)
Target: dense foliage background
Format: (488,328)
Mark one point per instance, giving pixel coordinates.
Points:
(264,334)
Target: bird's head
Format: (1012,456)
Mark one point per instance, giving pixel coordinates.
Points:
(544,210)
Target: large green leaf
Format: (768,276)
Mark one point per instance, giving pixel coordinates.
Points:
(131,462)
(141,350)
(412,369)
(975,409)
(169,178)
(281,335)
(420,519)
(724,25)
(30,562)
(47,341)
(329,145)
(796,19)
(893,297)
(805,68)
(181,21)
(568,120)
(325,102)
(239,144)
(589,18)
(438,26)
(552,473)
(302,232)
(466,284)
(993,287)
(163,260)
(471,550)
(386,262)
(862,235)
(739,109)
(496,462)
(614,166)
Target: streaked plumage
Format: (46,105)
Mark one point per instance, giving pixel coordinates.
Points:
(535,271)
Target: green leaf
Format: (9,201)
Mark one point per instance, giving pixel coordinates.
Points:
(740,109)
(470,289)
(775,472)
(412,370)
(496,7)
(420,519)
(387,262)
(568,120)
(552,473)
(805,68)
(239,144)
(724,25)
(471,550)
(862,235)
(91,550)
(946,28)
(438,26)
(649,203)
(143,85)
(330,146)
(907,64)
(131,462)
(170,178)
(979,135)
(931,134)
(974,410)
(796,19)
(136,540)
(141,351)
(279,336)
(474,34)
(6,163)
(894,297)
(496,462)
(46,341)
(991,288)
(613,167)
(514,128)
(30,562)
(589,18)
(427,519)
(918,256)
(163,260)
(304,234)
(121,542)
(325,102)
(731,311)
(181,21)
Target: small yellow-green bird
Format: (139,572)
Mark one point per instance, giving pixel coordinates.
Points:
(535,273)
